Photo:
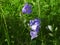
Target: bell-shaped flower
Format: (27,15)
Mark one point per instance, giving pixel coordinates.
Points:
(27,9)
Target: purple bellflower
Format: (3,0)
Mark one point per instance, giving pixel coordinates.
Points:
(27,9)
(34,25)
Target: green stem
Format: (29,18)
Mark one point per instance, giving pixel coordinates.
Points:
(24,1)
(42,39)
(6,29)
(42,43)
(33,42)
(39,15)
(38,7)
(54,34)
(54,42)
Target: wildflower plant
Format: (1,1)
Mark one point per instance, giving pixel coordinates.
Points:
(14,29)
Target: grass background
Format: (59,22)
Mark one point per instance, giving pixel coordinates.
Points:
(14,29)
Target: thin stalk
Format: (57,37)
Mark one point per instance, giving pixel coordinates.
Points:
(42,39)
(54,34)
(42,43)
(54,42)
(33,42)
(24,1)
(38,2)
(52,3)
(6,29)
(39,15)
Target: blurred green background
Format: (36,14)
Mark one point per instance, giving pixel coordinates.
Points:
(14,25)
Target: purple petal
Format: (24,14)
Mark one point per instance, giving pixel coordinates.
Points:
(27,9)
(37,29)
(28,6)
(31,22)
(33,34)
(35,21)
(24,10)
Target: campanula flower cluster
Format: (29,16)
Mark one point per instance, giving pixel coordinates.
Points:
(34,24)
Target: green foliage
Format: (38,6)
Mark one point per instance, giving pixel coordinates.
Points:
(14,28)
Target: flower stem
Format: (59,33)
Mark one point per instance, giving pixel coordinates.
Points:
(6,29)
(24,1)
(38,2)
(54,34)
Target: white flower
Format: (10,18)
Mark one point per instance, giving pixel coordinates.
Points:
(50,27)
